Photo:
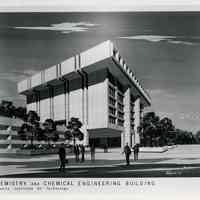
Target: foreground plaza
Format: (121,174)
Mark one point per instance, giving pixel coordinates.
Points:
(181,161)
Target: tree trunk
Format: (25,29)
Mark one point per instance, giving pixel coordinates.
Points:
(32,140)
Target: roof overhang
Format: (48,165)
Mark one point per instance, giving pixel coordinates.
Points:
(104,55)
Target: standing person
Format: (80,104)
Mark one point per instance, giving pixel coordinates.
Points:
(105,147)
(62,156)
(136,149)
(9,130)
(77,152)
(127,151)
(92,150)
(82,149)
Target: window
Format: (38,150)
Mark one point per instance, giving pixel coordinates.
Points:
(111,101)
(120,98)
(120,107)
(112,110)
(112,120)
(111,91)
(120,115)
(120,122)
(132,107)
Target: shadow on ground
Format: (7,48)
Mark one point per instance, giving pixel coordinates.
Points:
(107,168)
(55,162)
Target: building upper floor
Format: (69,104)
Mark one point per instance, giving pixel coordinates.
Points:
(104,55)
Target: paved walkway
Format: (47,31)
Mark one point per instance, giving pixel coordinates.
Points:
(182,161)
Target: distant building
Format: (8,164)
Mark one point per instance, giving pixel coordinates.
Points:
(97,87)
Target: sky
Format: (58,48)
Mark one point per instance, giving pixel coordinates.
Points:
(162,48)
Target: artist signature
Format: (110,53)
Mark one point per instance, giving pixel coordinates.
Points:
(170,172)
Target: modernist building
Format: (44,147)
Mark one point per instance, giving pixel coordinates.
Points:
(97,87)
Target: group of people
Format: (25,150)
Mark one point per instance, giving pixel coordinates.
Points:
(127,151)
(78,149)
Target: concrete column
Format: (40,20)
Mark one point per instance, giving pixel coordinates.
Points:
(84,116)
(82,95)
(85,109)
(127,117)
(106,82)
(122,140)
(83,100)
(67,101)
(136,121)
(37,94)
(51,102)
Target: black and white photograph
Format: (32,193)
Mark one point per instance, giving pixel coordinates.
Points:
(100,95)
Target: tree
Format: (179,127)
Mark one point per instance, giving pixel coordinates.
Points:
(22,132)
(73,131)
(7,109)
(50,132)
(150,126)
(31,128)
(157,132)
(20,112)
(167,129)
(162,132)
(197,136)
(186,137)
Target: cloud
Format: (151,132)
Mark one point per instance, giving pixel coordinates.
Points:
(170,95)
(159,38)
(8,91)
(155,91)
(180,42)
(17,99)
(151,38)
(65,28)
(12,76)
(16,76)
(165,93)
(159,94)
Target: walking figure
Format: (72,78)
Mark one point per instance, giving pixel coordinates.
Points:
(136,150)
(76,152)
(62,156)
(92,150)
(82,149)
(127,151)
